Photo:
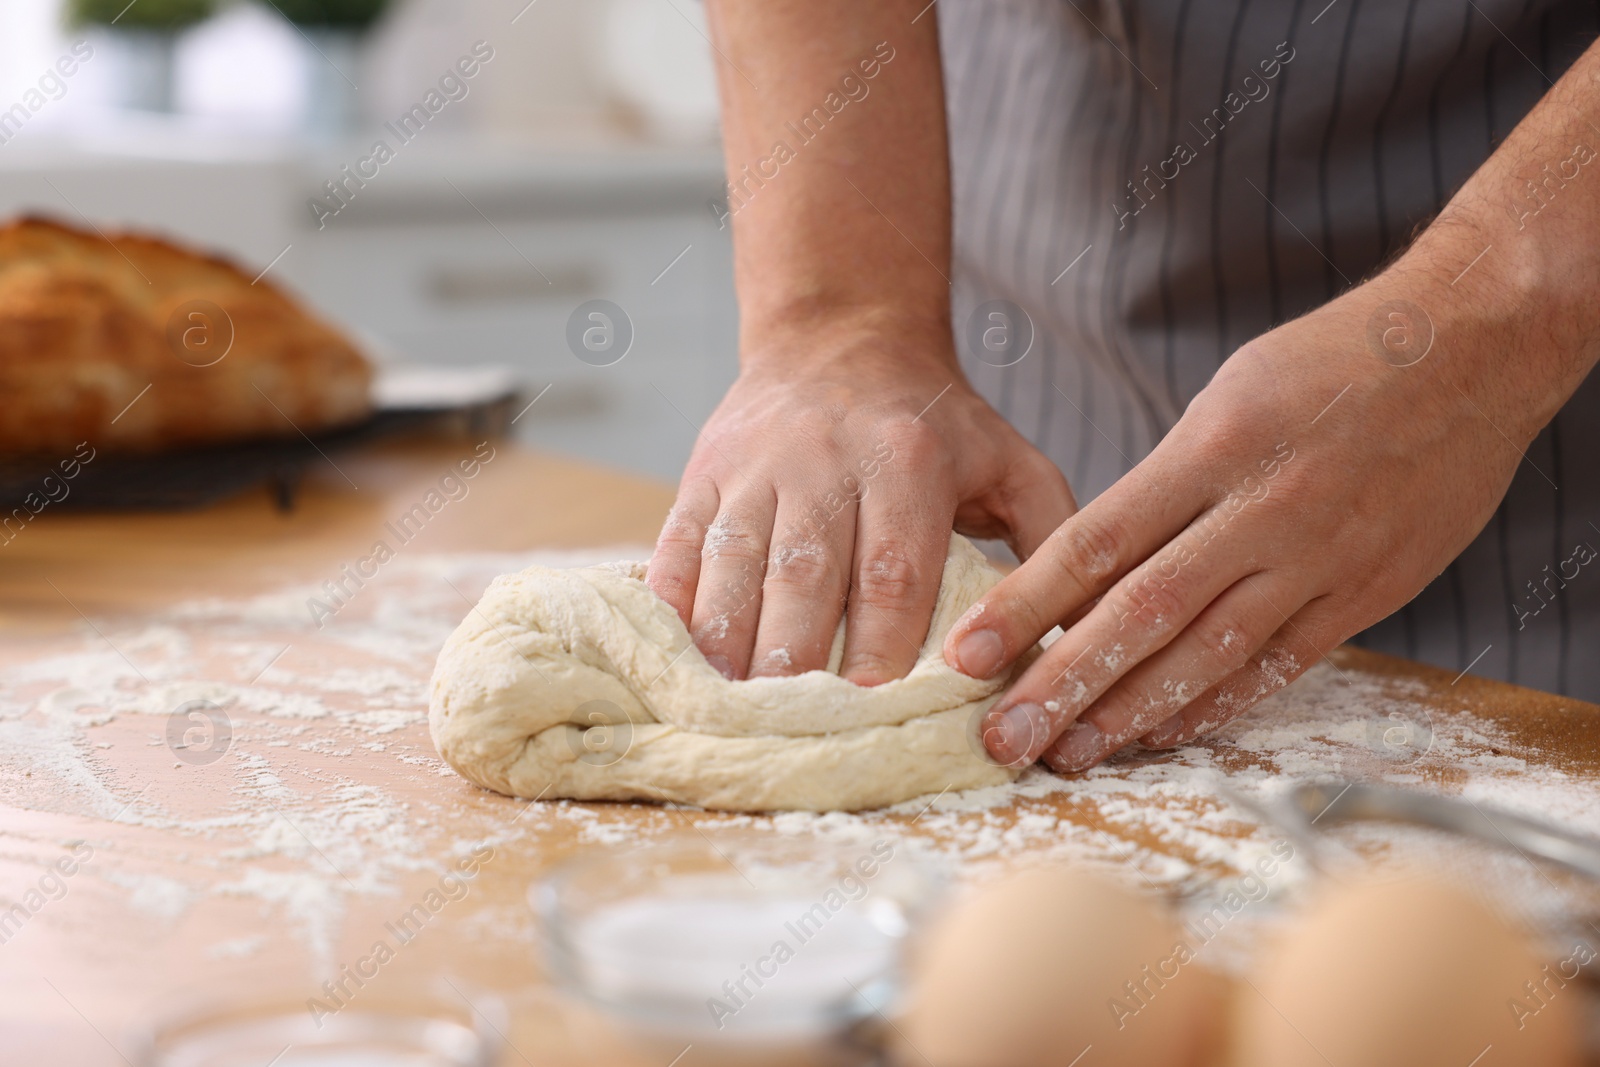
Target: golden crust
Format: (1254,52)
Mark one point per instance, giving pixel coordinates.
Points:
(87,322)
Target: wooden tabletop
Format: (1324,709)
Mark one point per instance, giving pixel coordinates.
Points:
(519,500)
(327,816)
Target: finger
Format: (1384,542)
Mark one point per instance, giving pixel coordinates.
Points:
(1025,508)
(802,596)
(1083,558)
(902,539)
(1140,615)
(1217,643)
(1285,656)
(727,601)
(1036,501)
(675,565)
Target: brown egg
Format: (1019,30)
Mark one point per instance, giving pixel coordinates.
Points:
(1037,969)
(1411,973)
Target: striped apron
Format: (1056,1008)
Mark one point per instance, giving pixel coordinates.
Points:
(1317,138)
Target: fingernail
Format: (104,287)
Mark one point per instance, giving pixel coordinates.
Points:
(1079,748)
(1012,735)
(722,665)
(979,653)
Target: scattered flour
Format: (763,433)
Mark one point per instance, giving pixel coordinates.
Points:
(719,535)
(328,791)
(154,895)
(237,948)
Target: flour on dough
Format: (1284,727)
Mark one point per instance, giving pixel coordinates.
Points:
(584,684)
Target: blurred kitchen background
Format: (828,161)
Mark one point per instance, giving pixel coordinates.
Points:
(580,164)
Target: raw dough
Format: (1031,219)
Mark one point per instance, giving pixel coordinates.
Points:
(584,684)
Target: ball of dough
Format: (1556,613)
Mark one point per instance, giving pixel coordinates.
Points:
(585,684)
(1033,970)
(1406,974)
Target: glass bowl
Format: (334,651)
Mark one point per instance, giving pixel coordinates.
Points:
(289,1035)
(747,938)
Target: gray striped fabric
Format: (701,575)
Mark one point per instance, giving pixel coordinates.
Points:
(1320,136)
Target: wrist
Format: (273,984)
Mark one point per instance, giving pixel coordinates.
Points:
(819,337)
(1507,273)
(1506,326)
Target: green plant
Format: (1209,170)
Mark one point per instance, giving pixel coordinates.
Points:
(141,14)
(344,14)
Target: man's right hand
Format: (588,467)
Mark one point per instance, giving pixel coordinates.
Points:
(827,483)
(828,480)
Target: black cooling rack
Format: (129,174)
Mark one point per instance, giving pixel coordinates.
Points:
(194,477)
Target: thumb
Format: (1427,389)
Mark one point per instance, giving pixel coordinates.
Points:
(1035,499)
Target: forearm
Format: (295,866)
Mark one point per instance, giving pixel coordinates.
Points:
(1509,273)
(838,169)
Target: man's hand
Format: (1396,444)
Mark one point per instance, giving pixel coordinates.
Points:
(1332,469)
(832,489)
(828,480)
(1314,487)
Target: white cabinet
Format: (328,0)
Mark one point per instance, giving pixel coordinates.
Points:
(488,263)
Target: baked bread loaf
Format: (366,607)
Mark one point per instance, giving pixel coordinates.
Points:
(87,323)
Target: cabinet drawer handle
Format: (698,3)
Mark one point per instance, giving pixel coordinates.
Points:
(511,284)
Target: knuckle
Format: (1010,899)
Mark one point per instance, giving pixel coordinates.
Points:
(682,533)
(1269,670)
(1128,710)
(1220,641)
(798,566)
(913,450)
(869,664)
(1112,710)
(679,540)
(1152,599)
(671,586)
(887,577)
(1216,444)
(1200,717)
(1150,712)
(917,444)
(695,506)
(1278,665)
(732,540)
(1087,551)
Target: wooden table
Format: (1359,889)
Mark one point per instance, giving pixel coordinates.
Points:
(326,815)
